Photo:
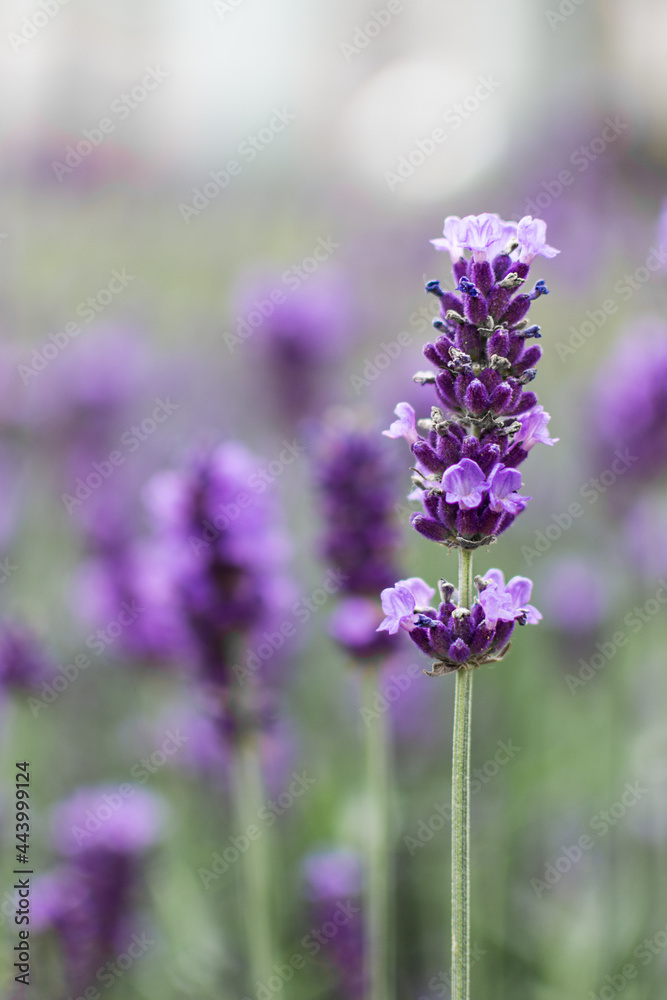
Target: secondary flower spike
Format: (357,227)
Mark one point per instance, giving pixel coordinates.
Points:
(455,636)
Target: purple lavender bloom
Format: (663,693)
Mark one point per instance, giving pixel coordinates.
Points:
(400,601)
(226,554)
(333,883)
(514,596)
(90,900)
(466,461)
(532,237)
(405,426)
(503,484)
(534,428)
(464,484)
(457,636)
(478,233)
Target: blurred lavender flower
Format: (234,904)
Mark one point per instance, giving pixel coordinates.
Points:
(90,900)
(359,490)
(575,595)
(200,724)
(297,334)
(333,883)
(629,409)
(225,555)
(24,663)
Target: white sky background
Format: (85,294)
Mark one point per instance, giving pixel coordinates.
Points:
(227,73)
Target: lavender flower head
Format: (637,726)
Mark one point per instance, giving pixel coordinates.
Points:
(451,635)
(358,486)
(482,429)
(227,556)
(90,900)
(333,883)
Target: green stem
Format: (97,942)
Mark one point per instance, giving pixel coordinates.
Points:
(378,895)
(256,863)
(461,807)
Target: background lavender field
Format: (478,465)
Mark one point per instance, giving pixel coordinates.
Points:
(250,151)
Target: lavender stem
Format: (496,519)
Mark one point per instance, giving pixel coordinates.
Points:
(378,894)
(256,871)
(460,874)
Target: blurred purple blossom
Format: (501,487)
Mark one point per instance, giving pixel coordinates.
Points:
(575,594)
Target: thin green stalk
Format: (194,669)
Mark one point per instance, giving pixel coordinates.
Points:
(461,807)
(256,863)
(378,894)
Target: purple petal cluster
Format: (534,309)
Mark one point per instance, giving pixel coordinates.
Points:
(359,487)
(486,421)
(455,636)
(90,900)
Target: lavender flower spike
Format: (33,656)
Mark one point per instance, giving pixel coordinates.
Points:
(482,426)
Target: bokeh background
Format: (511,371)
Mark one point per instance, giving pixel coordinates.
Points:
(318,119)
